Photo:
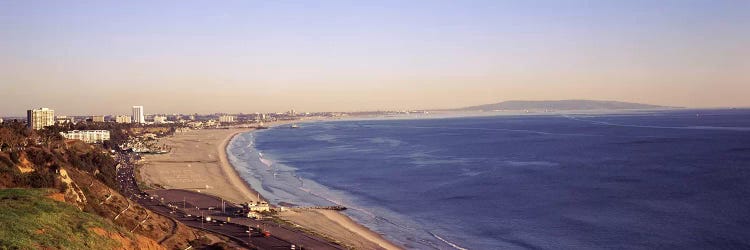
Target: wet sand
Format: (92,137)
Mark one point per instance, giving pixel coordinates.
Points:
(198,162)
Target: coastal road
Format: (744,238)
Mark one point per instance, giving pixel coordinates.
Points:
(185,206)
(187,201)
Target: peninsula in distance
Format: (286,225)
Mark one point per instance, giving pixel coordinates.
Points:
(562,105)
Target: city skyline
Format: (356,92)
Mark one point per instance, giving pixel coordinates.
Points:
(103,57)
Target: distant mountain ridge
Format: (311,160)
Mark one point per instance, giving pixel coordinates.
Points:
(562,105)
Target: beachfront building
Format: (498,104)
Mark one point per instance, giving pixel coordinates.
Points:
(226,119)
(87,136)
(138,115)
(40,118)
(261,206)
(97,118)
(254,215)
(123,119)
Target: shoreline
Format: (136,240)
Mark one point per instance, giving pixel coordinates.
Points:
(231,172)
(327,219)
(191,164)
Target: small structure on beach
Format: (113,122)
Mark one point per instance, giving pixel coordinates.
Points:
(260,206)
(254,215)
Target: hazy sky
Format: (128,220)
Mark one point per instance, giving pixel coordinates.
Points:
(101,57)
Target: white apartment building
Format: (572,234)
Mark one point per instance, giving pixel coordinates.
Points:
(87,136)
(123,119)
(40,118)
(138,115)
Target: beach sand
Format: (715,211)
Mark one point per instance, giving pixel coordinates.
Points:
(337,226)
(198,162)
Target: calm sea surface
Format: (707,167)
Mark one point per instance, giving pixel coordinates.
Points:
(673,179)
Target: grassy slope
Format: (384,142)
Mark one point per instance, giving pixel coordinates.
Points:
(32,221)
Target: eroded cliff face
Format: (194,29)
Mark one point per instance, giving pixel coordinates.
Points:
(135,242)
(72,192)
(110,204)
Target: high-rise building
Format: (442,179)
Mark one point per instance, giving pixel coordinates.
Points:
(138,115)
(122,119)
(40,118)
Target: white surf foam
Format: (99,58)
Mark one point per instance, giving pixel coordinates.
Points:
(448,242)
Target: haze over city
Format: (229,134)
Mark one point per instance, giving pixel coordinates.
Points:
(103,57)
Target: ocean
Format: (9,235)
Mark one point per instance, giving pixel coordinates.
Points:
(639,180)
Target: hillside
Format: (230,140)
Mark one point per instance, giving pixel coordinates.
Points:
(561,105)
(87,212)
(33,219)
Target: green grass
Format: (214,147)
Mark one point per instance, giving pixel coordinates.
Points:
(30,221)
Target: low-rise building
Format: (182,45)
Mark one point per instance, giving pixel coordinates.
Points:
(123,119)
(62,119)
(97,118)
(261,206)
(254,215)
(88,136)
(226,119)
(160,119)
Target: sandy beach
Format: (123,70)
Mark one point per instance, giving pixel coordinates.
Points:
(198,162)
(338,226)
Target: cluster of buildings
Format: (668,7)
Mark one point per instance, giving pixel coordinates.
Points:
(43,117)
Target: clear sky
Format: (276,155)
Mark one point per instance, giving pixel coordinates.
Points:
(101,57)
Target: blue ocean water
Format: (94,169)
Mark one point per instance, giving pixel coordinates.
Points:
(668,179)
